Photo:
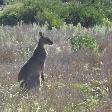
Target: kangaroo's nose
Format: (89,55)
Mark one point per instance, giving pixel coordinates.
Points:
(51,42)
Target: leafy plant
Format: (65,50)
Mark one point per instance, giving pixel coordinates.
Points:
(55,12)
(11,14)
(87,15)
(84,41)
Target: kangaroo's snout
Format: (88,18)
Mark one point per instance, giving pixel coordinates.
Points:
(50,42)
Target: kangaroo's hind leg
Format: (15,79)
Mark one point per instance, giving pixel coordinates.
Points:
(24,86)
(35,82)
(42,77)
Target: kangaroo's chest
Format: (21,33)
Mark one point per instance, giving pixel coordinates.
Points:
(39,58)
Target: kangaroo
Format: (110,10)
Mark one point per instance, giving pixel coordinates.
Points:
(32,71)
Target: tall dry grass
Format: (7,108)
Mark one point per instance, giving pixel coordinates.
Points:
(65,70)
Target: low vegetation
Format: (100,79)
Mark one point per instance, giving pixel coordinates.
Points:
(83,40)
(78,69)
(75,81)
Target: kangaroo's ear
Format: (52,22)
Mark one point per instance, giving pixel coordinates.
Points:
(41,34)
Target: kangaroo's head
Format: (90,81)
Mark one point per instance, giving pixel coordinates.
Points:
(44,40)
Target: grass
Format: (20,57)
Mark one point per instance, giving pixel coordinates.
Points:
(75,81)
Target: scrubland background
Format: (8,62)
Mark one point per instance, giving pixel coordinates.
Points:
(78,68)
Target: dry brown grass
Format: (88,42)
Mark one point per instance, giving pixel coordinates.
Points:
(64,69)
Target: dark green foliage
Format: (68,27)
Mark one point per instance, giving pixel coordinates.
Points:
(87,15)
(68,0)
(11,14)
(45,11)
(108,11)
(9,20)
(28,15)
(55,12)
(109,14)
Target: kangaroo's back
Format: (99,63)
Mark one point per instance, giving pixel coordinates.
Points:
(32,70)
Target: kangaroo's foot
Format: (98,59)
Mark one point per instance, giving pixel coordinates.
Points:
(42,77)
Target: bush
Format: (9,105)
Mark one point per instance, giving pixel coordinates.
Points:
(46,12)
(108,12)
(86,15)
(31,11)
(11,14)
(51,19)
(84,41)
(54,12)
(9,20)
(28,15)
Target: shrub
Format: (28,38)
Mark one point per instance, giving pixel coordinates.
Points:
(86,15)
(54,12)
(52,19)
(28,15)
(46,12)
(84,41)
(30,11)
(108,13)
(11,14)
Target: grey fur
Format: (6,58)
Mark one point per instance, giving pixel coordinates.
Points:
(30,74)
